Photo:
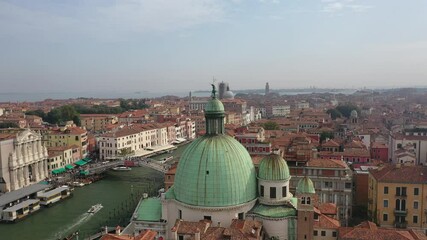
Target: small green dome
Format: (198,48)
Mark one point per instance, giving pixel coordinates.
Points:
(273,167)
(215,171)
(305,185)
(214,106)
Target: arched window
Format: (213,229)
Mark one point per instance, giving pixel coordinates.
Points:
(308,200)
(303,200)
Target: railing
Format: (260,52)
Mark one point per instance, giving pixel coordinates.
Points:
(400,212)
(403,224)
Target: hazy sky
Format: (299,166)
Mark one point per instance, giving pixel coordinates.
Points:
(179,45)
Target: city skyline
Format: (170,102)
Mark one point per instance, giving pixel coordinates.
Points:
(162,46)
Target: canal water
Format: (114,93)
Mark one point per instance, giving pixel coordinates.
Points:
(118,192)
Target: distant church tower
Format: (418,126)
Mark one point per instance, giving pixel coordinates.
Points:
(222,88)
(267,89)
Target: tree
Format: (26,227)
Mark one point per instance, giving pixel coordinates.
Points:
(325,135)
(346,109)
(334,113)
(270,125)
(63,114)
(8,125)
(37,112)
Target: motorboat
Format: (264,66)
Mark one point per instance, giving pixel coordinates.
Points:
(122,168)
(95,208)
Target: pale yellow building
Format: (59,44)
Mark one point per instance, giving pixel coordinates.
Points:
(68,136)
(397,196)
(97,122)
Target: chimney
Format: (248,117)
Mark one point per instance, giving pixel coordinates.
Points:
(118,230)
(197,235)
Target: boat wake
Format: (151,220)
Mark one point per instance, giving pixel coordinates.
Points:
(68,229)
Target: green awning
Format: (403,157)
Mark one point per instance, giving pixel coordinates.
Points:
(80,163)
(84,172)
(69,166)
(87,159)
(58,171)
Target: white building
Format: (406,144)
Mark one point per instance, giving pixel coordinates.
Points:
(129,139)
(23,160)
(302,105)
(416,138)
(280,111)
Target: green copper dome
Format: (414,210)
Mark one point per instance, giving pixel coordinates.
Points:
(273,167)
(305,185)
(214,106)
(215,171)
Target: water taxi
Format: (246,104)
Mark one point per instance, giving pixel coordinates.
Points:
(95,208)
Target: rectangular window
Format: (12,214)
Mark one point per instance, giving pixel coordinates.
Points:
(415,219)
(416,191)
(397,191)
(403,191)
(328,184)
(207,218)
(334,234)
(385,217)
(261,191)
(385,203)
(315,233)
(180,214)
(415,204)
(348,185)
(385,190)
(180,237)
(323,233)
(241,216)
(272,192)
(284,191)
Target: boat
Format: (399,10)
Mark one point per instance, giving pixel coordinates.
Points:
(122,168)
(164,160)
(95,208)
(50,197)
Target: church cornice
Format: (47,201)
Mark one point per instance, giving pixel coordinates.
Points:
(216,209)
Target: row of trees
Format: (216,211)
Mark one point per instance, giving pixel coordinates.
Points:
(72,112)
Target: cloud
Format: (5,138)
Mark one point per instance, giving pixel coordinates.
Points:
(334,6)
(108,19)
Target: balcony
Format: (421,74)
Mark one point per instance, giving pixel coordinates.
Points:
(401,195)
(400,212)
(403,224)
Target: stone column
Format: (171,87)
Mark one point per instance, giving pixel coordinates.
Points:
(26,176)
(39,168)
(46,171)
(20,178)
(13,180)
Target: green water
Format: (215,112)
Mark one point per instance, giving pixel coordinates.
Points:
(118,192)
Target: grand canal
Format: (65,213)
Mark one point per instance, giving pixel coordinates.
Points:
(118,192)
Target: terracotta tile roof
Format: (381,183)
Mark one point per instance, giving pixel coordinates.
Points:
(326,163)
(400,174)
(146,235)
(369,231)
(326,222)
(328,208)
(378,145)
(6,136)
(330,143)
